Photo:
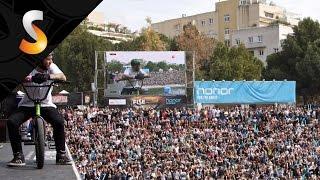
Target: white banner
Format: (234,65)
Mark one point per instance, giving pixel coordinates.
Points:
(59,99)
(117,102)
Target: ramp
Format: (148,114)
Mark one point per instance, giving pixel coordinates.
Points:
(50,170)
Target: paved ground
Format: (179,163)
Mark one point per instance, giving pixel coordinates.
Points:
(29,172)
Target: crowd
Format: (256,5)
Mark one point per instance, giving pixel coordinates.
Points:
(236,143)
(165,78)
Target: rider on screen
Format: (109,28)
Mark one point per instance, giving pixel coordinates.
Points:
(133,75)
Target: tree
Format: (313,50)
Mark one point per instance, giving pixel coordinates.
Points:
(192,40)
(299,60)
(151,66)
(114,66)
(234,63)
(116,28)
(149,40)
(308,69)
(75,56)
(163,65)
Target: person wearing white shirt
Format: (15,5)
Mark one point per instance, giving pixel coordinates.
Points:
(41,75)
(133,75)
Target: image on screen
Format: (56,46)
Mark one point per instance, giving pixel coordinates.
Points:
(152,72)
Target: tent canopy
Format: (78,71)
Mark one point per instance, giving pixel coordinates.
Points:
(64,92)
(20,93)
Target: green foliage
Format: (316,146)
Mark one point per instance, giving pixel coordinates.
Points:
(233,63)
(75,56)
(299,60)
(148,40)
(96,28)
(114,66)
(276,22)
(193,41)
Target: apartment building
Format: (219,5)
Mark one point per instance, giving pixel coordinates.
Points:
(228,16)
(261,41)
(113,32)
(205,23)
(231,16)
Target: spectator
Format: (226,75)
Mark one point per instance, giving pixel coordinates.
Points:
(181,143)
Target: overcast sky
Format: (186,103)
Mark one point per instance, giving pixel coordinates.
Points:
(132,13)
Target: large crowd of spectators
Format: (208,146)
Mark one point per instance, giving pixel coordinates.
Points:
(165,78)
(218,143)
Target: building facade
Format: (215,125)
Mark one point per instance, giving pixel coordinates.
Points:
(205,23)
(231,16)
(261,41)
(113,32)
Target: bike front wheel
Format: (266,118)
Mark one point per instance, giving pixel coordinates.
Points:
(39,133)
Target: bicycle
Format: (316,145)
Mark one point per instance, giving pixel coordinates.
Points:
(37,122)
(133,90)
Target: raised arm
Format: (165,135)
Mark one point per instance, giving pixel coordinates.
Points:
(58,76)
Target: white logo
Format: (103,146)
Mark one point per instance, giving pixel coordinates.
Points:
(214,91)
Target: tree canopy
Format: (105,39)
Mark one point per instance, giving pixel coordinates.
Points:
(299,60)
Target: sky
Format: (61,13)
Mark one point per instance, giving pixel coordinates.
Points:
(132,13)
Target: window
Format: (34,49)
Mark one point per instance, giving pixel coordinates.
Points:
(227,31)
(177,27)
(261,52)
(243,2)
(203,22)
(227,42)
(276,50)
(270,15)
(250,39)
(210,21)
(211,33)
(226,18)
(238,41)
(260,38)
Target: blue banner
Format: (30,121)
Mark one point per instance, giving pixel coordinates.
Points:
(244,92)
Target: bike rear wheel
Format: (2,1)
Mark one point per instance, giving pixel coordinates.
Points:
(39,132)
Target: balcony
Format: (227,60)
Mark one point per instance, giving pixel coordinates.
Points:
(254,45)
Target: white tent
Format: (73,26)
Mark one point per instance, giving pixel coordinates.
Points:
(64,92)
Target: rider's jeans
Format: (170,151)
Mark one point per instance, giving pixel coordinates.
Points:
(22,114)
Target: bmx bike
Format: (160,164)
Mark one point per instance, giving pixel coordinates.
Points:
(37,122)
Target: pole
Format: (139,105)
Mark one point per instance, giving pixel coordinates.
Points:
(104,75)
(193,77)
(95,92)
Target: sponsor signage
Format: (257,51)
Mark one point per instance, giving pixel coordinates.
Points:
(117,101)
(245,92)
(175,100)
(145,100)
(60,99)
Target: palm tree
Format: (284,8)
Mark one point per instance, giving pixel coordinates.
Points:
(116,27)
